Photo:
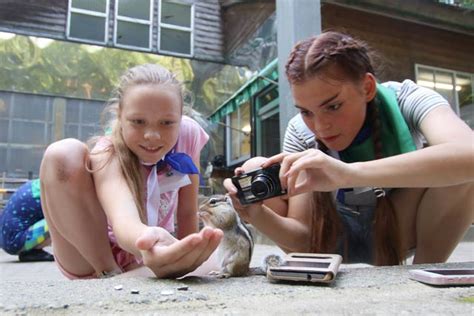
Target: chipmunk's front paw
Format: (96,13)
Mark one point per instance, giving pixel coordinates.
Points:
(214,272)
(220,274)
(224,275)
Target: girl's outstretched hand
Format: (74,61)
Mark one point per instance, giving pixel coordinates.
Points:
(169,257)
(310,170)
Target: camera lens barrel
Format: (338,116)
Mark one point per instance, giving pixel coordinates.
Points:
(258,184)
(262,185)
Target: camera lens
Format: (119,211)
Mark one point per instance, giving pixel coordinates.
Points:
(261,186)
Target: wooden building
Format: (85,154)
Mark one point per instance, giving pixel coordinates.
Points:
(185,28)
(207,30)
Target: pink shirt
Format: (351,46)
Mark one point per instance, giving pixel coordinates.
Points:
(191,140)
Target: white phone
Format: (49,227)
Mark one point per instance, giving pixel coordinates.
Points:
(443,276)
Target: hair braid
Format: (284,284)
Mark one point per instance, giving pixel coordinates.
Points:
(373,113)
(387,245)
(325,222)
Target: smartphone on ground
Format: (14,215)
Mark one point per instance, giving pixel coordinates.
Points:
(306,267)
(443,276)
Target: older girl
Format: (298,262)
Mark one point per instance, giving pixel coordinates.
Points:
(360,181)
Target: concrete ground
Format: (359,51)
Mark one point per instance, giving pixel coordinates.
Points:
(39,288)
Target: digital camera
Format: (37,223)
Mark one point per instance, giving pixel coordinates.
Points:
(258,185)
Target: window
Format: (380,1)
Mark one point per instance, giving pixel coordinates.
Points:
(82,119)
(268,123)
(175,33)
(88,20)
(26,127)
(238,135)
(133,23)
(456,87)
(28,123)
(446,1)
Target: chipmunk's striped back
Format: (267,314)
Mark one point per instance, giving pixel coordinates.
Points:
(237,245)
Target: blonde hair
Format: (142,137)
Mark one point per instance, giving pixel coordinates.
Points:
(147,74)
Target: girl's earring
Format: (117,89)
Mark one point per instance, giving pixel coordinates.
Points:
(379,192)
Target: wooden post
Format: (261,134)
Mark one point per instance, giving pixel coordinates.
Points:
(59,110)
(296,20)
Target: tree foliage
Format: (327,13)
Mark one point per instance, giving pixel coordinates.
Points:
(89,72)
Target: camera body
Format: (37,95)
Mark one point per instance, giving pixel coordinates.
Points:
(258,185)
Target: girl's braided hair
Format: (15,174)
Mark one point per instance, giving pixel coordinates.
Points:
(339,56)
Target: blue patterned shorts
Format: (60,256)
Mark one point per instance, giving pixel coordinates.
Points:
(22,223)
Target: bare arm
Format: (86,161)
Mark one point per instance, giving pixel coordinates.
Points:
(161,252)
(291,233)
(449,159)
(117,201)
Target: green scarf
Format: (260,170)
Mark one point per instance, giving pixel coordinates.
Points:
(396,137)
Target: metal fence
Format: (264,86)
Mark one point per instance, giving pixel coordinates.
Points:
(30,122)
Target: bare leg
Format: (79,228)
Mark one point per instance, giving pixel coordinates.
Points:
(434,220)
(77,223)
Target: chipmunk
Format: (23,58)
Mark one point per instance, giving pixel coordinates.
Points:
(236,248)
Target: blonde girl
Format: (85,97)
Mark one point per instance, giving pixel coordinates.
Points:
(111,209)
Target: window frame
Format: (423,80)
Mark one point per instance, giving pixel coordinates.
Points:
(9,146)
(81,125)
(263,112)
(105,15)
(228,143)
(448,2)
(118,18)
(177,28)
(455,106)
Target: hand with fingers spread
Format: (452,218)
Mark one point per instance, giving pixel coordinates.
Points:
(310,170)
(169,257)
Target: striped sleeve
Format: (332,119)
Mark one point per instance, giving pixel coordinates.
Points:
(298,137)
(416,102)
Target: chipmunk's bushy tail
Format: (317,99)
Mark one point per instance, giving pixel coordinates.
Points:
(269,261)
